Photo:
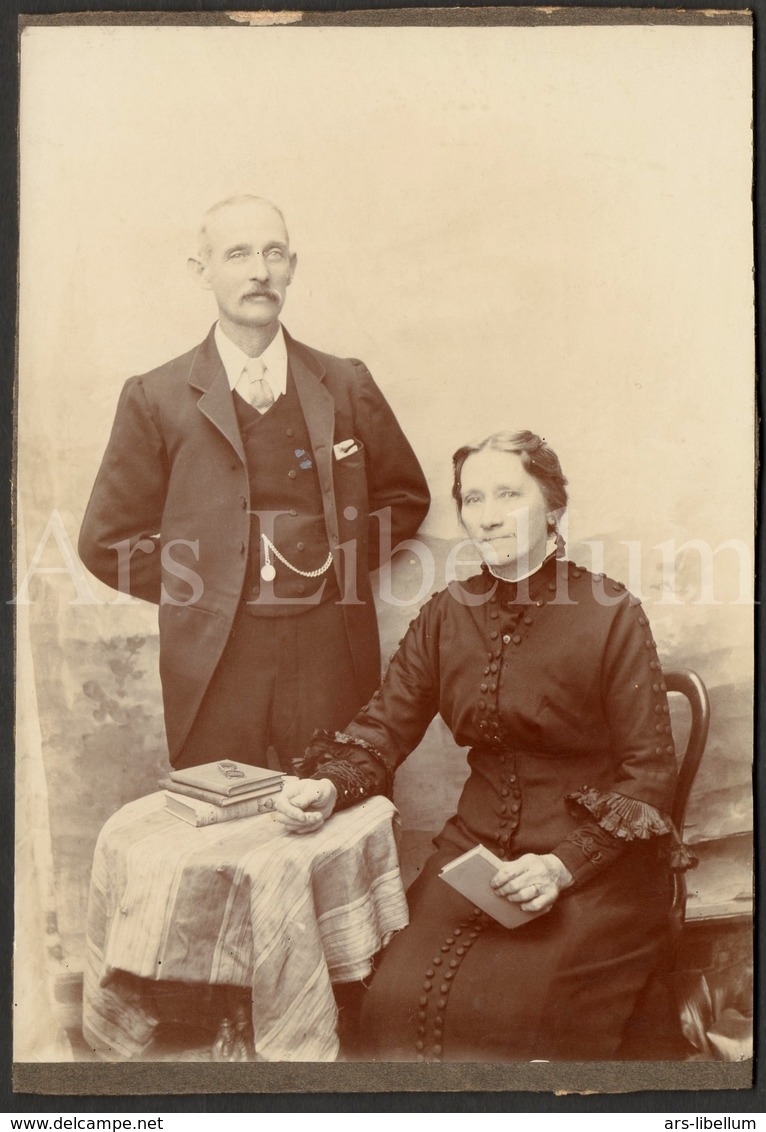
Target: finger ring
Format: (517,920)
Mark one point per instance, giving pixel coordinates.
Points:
(536,890)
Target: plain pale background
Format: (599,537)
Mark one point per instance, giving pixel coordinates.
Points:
(514,227)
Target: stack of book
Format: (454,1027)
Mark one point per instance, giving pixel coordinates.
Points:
(216,792)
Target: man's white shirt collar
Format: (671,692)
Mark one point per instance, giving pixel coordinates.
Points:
(274,358)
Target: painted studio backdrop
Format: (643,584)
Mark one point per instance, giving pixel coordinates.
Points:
(543,228)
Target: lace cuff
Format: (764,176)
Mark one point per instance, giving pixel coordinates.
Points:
(632,820)
(352,764)
(352,783)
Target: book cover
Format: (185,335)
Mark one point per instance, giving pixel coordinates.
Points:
(198,813)
(226,777)
(219,799)
(470,875)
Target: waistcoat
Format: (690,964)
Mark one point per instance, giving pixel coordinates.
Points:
(283,478)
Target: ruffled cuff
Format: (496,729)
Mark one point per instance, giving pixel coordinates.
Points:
(632,820)
(356,768)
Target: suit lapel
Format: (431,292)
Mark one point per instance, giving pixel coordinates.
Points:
(216,403)
(318,408)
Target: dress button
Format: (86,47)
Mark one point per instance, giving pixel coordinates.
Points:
(290,432)
(423,1000)
(481,705)
(486,672)
(506,639)
(527,620)
(494,615)
(301,546)
(658,750)
(551,586)
(505,792)
(669,750)
(512,778)
(293,512)
(292,473)
(503,809)
(483,687)
(515,808)
(493,635)
(517,639)
(493,687)
(301,589)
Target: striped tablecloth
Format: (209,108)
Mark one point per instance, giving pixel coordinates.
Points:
(242,903)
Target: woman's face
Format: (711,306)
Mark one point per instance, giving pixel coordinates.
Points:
(504,512)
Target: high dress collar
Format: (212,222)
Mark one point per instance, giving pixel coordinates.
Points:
(531,586)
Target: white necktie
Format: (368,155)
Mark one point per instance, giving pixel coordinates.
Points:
(261,394)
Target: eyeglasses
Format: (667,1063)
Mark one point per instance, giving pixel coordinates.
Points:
(230,770)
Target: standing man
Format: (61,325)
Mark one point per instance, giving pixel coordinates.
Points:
(248,488)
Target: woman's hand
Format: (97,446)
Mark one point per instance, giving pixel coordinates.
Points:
(304,804)
(532,881)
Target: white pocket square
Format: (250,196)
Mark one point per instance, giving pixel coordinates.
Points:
(345,448)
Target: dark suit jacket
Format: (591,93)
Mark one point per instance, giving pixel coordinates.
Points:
(173,492)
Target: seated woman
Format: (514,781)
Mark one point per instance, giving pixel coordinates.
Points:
(550,674)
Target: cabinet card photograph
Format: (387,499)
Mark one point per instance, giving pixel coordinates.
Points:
(384,552)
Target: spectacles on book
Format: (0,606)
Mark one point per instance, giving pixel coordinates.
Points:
(230,770)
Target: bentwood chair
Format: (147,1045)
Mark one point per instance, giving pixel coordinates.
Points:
(654,1031)
(688,684)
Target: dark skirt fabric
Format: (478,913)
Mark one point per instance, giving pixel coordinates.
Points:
(456,986)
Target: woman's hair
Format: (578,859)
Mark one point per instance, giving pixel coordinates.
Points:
(537,458)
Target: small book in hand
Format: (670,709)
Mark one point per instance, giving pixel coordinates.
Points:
(227,777)
(470,875)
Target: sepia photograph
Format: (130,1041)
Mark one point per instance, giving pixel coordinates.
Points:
(384,590)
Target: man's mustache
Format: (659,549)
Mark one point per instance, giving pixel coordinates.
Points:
(262,293)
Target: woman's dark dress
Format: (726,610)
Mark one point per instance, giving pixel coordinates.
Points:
(555,684)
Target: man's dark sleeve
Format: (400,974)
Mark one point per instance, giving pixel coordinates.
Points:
(395,479)
(127,501)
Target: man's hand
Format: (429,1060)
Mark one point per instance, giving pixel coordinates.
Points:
(533,881)
(304,804)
